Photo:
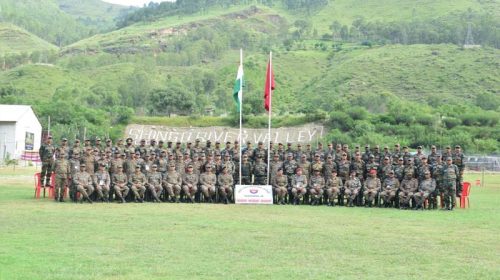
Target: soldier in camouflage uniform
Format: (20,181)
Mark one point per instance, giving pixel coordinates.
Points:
(299,186)
(190,183)
(358,165)
(172,182)
(344,167)
(76,149)
(423,168)
(396,154)
(138,180)
(432,157)
(372,164)
(307,166)
(154,183)
(280,185)
(120,184)
(352,188)
(289,168)
(74,163)
(207,182)
(316,187)
(83,183)
(47,152)
(399,170)
(225,182)
(410,169)
(333,186)
(371,186)
(62,171)
(385,168)
(275,164)
(90,161)
(450,175)
(408,187)
(260,152)
(459,162)
(437,174)
(329,166)
(246,171)
(63,148)
(317,164)
(426,187)
(260,172)
(390,187)
(102,183)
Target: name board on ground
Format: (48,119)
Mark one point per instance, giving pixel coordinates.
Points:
(308,133)
(253,194)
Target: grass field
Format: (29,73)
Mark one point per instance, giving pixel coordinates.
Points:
(46,240)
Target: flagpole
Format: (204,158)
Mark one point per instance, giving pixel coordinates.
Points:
(241,113)
(270,111)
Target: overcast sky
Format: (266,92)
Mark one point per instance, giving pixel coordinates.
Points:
(138,3)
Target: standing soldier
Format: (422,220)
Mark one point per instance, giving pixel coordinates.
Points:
(76,149)
(172,183)
(333,186)
(289,167)
(142,149)
(260,152)
(120,184)
(154,183)
(406,154)
(458,161)
(109,146)
(399,170)
(275,164)
(305,165)
(396,154)
(137,180)
(260,171)
(329,167)
(343,167)
(62,170)
(386,154)
(207,182)
(90,161)
(376,154)
(345,149)
(120,147)
(197,149)
(437,174)
(129,148)
(432,157)
(385,168)
(320,151)
(74,163)
(423,168)
(371,188)
(162,163)
(98,145)
(330,151)
(226,184)
(280,185)
(102,182)
(450,179)
(317,164)
(359,166)
(417,158)
(132,163)
(352,188)
(46,152)
(83,183)
(410,169)
(427,186)
(316,186)
(228,150)
(298,153)
(63,148)
(366,155)
(246,171)
(389,189)
(371,164)
(299,186)
(231,168)
(408,187)
(190,183)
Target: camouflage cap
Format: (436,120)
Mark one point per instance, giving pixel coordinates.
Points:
(64,139)
(457,147)
(98,139)
(82,165)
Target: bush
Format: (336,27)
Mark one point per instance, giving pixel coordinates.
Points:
(451,122)
(340,120)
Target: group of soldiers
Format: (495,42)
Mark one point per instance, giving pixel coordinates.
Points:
(205,172)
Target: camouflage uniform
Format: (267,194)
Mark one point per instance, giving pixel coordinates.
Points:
(172,182)
(333,187)
(427,186)
(299,187)
(280,184)
(352,188)
(371,188)
(138,181)
(225,181)
(46,153)
(207,182)
(389,189)
(190,184)
(408,187)
(450,179)
(154,183)
(102,183)
(260,172)
(83,183)
(120,184)
(62,170)
(316,186)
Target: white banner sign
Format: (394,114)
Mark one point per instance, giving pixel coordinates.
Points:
(253,194)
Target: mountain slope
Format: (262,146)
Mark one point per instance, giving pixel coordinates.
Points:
(17,40)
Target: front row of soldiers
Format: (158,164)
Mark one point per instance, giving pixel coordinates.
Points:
(171,183)
(372,190)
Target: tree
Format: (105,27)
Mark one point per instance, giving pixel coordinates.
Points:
(171,99)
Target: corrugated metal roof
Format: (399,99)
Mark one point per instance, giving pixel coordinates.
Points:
(12,113)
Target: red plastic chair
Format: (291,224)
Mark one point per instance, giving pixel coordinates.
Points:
(465,195)
(39,187)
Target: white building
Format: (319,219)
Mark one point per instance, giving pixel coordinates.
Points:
(20,131)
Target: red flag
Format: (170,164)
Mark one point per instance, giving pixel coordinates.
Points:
(269,86)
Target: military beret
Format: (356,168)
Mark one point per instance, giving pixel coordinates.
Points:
(367,146)
(186,153)
(299,145)
(77,140)
(373,171)
(161,141)
(143,140)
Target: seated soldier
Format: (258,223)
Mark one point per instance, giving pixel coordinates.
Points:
(172,183)
(316,186)
(226,184)
(207,183)
(427,186)
(83,183)
(408,186)
(101,182)
(352,188)
(299,186)
(190,183)
(138,181)
(120,184)
(280,184)
(333,186)
(389,189)
(154,183)
(372,187)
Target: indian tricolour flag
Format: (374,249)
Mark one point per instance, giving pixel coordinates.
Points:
(238,87)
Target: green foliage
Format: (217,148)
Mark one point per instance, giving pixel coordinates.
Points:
(173,99)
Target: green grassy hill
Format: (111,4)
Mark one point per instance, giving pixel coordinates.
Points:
(17,40)
(366,88)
